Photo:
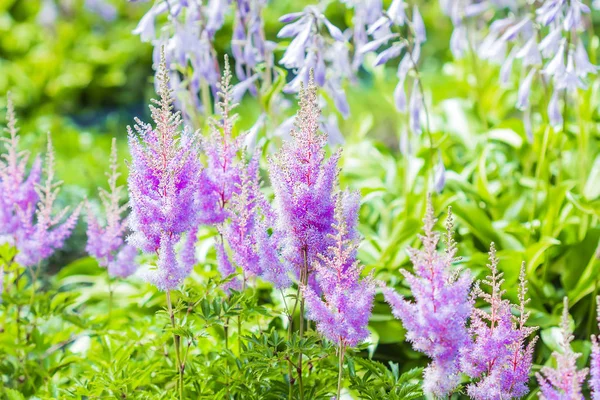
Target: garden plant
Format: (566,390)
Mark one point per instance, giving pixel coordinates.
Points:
(318,199)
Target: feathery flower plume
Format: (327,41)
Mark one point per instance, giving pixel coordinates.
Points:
(303,182)
(436,319)
(594,382)
(106,243)
(498,355)
(164,181)
(564,381)
(343,314)
(18,197)
(26,216)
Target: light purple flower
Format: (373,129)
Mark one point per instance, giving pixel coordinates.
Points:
(498,355)
(164,182)
(594,381)
(342,313)
(565,381)
(435,320)
(106,243)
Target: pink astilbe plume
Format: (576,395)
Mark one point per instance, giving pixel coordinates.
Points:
(342,313)
(240,230)
(105,243)
(164,185)
(223,155)
(18,197)
(563,382)
(26,206)
(303,181)
(436,318)
(595,360)
(41,236)
(498,355)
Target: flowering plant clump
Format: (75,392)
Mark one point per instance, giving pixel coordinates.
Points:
(436,320)
(497,354)
(248,216)
(27,218)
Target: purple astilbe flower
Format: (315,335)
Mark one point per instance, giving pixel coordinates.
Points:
(27,220)
(240,231)
(303,182)
(564,381)
(106,243)
(222,152)
(38,239)
(498,355)
(18,196)
(164,185)
(311,50)
(436,319)
(342,314)
(594,381)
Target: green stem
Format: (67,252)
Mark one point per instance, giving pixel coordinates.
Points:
(206,100)
(304,282)
(110,296)
(340,370)
(176,339)
(239,321)
(538,171)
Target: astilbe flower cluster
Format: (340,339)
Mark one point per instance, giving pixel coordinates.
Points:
(310,50)
(106,243)
(342,313)
(594,381)
(27,220)
(164,183)
(498,354)
(303,182)
(565,381)
(436,319)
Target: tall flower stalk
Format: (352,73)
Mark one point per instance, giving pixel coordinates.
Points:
(436,318)
(164,181)
(303,182)
(342,312)
(498,354)
(565,381)
(106,243)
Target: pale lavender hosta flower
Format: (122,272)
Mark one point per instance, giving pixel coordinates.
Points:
(27,220)
(164,183)
(103,8)
(303,182)
(187,41)
(366,13)
(310,50)
(565,381)
(435,320)
(394,17)
(342,312)
(498,355)
(105,243)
